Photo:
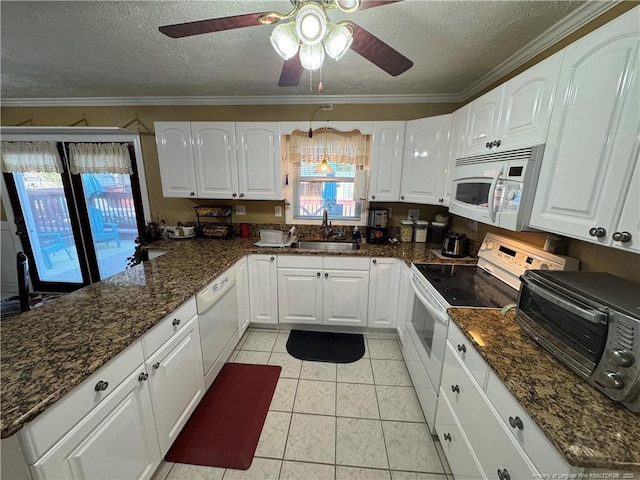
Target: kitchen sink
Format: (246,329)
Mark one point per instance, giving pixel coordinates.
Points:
(320,245)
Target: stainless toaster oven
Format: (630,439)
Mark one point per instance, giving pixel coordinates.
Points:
(591,322)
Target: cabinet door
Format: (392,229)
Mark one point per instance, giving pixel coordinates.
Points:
(459,121)
(386,161)
(527,104)
(345,295)
(426,156)
(383,292)
(630,217)
(175,158)
(263,288)
(484,119)
(214,150)
(405,301)
(259,161)
(592,140)
(242,292)
(300,295)
(117,440)
(177,382)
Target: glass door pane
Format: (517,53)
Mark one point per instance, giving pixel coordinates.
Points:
(48,227)
(112,218)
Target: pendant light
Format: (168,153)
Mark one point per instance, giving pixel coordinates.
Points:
(324,167)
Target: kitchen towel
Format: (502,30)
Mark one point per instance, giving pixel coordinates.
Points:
(326,346)
(224,429)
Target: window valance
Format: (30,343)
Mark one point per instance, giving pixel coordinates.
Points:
(99,158)
(335,146)
(30,157)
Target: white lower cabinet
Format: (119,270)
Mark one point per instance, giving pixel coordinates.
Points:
(405,301)
(484,431)
(177,382)
(317,291)
(263,288)
(384,283)
(242,293)
(116,440)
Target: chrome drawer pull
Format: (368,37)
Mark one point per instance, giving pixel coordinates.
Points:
(504,474)
(101,386)
(462,348)
(516,422)
(455,388)
(447,437)
(143,376)
(176,322)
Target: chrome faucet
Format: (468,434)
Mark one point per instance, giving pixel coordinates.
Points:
(326,226)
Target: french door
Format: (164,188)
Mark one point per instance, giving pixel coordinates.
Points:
(76,229)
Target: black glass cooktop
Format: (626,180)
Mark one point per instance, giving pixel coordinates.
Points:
(467,285)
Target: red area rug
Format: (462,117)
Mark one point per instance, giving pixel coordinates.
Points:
(224,429)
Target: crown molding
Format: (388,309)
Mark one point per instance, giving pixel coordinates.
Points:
(577,19)
(248,100)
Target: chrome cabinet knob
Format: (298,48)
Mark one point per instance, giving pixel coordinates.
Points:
(176,322)
(516,422)
(612,380)
(234,195)
(101,386)
(272,259)
(242,195)
(156,365)
(375,262)
(447,437)
(497,143)
(318,274)
(401,197)
(193,194)
(373,197)
(623,237)
(598,232)
(504,474)
(488,145)
(455,388)
(462,348)
(326,275)
(619,358)
(143,377)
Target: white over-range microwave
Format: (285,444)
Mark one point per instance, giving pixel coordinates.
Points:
(497,188)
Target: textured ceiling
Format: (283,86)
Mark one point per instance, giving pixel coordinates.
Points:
(114,49)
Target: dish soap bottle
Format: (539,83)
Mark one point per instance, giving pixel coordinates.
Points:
(356,234)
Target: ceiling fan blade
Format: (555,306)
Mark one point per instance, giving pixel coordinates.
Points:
(375,3)
(377,52)
(187,29)
(291,72)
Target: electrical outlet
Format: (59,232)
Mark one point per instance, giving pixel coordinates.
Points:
(414,213)
(278,212)
(327,106)
(473,225)
(240,210)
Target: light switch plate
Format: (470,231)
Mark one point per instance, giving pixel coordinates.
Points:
(240,210)
(414,212)
(278,211)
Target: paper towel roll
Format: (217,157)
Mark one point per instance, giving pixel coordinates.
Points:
(360,183)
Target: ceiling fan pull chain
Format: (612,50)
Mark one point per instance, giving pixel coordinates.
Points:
(320,86)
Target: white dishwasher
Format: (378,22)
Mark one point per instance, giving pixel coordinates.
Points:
(218,318)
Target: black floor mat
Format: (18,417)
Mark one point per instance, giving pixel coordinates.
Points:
(326,346)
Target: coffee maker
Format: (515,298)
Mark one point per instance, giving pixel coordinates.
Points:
(378,225)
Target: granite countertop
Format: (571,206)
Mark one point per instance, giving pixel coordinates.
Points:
(48,351)
(584,425)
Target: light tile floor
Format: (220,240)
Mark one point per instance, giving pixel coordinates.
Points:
(359,421)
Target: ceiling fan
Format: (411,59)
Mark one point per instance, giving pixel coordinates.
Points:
(300,42)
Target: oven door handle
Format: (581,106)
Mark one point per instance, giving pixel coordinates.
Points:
(592,315)
(492,194)
(444,319)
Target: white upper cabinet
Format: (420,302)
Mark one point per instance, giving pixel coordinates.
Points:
(592,148)
(515,114)
(386,161)
(627,235)
(214,150)
(426,157)
(259,161)
(457,137)
(220,160)
(175,157)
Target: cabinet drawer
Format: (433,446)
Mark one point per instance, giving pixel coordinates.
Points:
(167,327)
(461,458)
(541,452)
(38,436)
(346,263)
(487,434)
(300,261)
(467,353)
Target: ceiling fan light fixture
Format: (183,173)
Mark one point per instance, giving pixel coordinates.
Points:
(337,41)
(348,6)
(311,56)
(285,40)
(311,24)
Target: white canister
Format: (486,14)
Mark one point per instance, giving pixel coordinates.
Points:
(420,231)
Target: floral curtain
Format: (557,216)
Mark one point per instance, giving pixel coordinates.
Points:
(30,157)
(99,158)
(338,147)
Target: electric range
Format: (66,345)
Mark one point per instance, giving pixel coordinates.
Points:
(493,283)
